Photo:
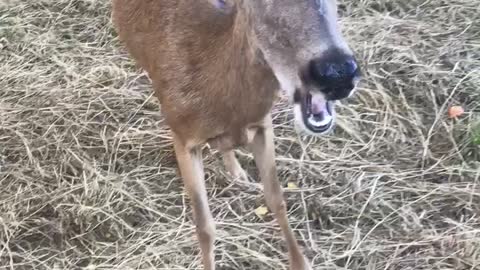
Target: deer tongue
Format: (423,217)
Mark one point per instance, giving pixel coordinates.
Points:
(320,109)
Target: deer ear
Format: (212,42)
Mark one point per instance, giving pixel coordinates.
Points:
(223,5)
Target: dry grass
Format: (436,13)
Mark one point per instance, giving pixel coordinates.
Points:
(88,177)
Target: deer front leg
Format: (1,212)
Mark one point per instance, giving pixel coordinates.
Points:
(263,151)
(191,168)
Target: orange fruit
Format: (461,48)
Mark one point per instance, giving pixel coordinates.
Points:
(455,111)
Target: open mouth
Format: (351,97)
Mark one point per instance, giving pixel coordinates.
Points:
(318,113)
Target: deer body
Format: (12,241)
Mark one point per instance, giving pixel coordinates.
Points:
(216,67)
(210,81)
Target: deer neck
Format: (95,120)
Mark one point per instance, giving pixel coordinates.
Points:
(238,60)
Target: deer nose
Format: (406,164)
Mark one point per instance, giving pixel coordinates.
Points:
(335,75)
(336,68)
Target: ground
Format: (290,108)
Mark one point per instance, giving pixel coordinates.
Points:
(88,177)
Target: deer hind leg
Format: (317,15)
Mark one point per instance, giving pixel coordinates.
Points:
(263,150)
(233,166)
(191,169)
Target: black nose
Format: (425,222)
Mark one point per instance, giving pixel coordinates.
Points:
(334,74)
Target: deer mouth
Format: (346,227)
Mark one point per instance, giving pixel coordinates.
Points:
(318,113)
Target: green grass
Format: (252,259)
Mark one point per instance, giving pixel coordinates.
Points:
(476,134)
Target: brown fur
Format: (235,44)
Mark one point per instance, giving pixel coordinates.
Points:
(210,81)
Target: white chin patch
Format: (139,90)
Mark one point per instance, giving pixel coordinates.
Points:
(300,125)
(325,121)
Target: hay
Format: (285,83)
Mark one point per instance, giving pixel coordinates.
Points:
(88,177)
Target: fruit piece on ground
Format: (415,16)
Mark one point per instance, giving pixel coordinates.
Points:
(455,111)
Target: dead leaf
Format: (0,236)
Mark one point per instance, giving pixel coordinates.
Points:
(261,211)
(292,185)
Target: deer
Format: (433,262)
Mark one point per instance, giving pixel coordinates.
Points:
(217,68)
